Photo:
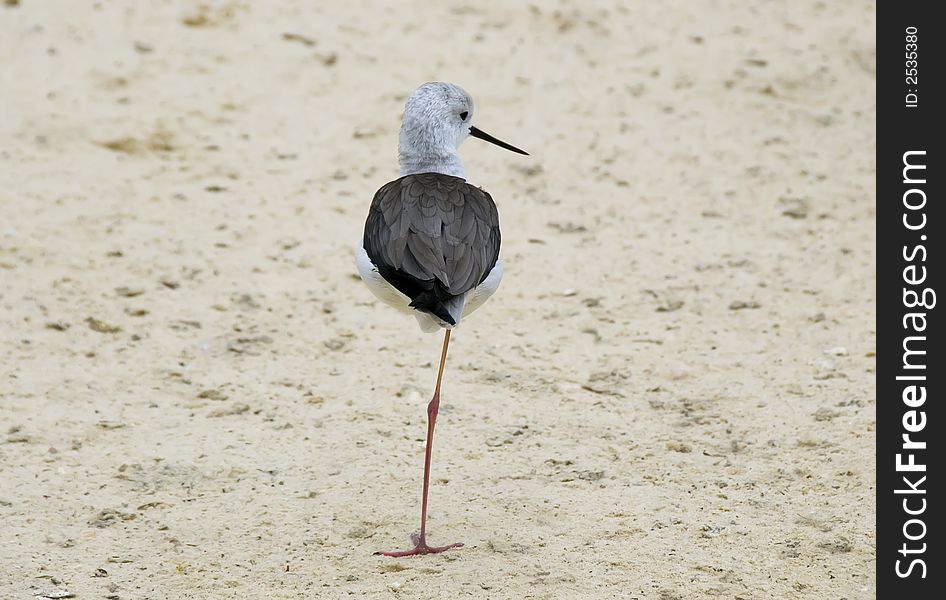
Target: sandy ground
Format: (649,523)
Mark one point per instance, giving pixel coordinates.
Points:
(671,396)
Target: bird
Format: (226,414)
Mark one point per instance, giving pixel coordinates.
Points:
(431,239)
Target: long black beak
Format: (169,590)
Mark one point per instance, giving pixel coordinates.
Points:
(477,133)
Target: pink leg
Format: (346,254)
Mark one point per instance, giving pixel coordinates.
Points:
(420,540)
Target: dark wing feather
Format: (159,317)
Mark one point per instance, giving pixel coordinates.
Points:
(432,237)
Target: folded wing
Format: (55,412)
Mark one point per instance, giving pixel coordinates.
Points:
(433,237)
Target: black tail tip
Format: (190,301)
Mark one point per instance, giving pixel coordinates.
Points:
(429,302)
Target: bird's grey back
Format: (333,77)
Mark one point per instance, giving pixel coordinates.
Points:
(432,236)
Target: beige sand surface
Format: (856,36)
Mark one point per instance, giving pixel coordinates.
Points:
(671,397)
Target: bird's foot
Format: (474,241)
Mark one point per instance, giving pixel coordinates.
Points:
(420,547)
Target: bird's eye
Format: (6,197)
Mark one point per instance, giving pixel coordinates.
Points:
(464,115)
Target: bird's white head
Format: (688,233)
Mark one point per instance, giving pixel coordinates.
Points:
(437,118)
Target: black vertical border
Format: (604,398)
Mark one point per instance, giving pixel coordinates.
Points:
(900,129)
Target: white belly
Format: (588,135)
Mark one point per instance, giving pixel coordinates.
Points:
(388,294)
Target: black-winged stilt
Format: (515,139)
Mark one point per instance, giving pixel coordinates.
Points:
(431,242)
